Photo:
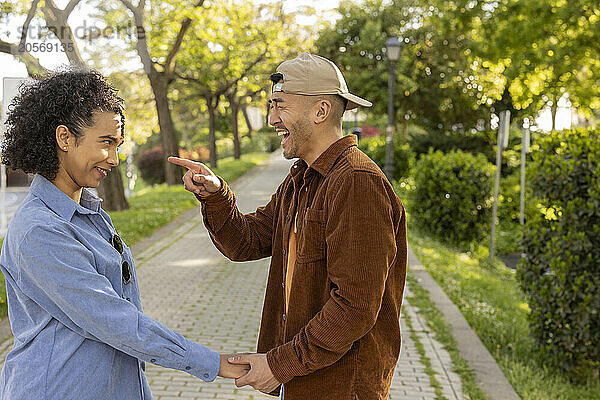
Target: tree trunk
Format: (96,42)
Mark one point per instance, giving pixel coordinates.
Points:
(553,110)
(237,146)
(268,110)
(212,138)
(247,119)
(114,200)
(160,88)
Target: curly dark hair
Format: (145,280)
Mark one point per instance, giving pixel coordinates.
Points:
(70,97)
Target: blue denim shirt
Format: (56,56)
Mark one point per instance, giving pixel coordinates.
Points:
(79,331)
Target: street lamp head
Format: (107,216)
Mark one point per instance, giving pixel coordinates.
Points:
(393,46)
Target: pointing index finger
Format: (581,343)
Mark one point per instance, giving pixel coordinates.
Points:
(189,164)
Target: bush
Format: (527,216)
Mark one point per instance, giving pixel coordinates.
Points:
(509,199)
(478,142)
(224,147)
(560,273)
(267,139)
(452,199)
(151,164)
(403,156)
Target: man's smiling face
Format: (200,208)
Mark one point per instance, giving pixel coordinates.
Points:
(289,114)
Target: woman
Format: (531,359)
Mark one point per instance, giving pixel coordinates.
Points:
(73,297)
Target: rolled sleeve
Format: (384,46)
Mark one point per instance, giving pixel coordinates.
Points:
(58,272)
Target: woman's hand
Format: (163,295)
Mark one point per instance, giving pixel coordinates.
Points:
(232,371)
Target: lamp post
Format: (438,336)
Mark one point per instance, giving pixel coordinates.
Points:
(393,46)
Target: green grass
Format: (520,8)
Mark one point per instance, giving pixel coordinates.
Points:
(492,303)
(153,207)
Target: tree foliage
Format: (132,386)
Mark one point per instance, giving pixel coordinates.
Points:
(229,55)
(463,60)
(435,85)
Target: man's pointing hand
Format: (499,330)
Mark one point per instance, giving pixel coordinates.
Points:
(199,179)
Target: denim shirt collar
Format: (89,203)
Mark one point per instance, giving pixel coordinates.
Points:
(59,202)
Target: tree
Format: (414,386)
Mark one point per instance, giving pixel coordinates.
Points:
(221,51)
(543,51)
(231,54)
(238,99)
(434,84)
(111,189)
(18,50)
(160,69)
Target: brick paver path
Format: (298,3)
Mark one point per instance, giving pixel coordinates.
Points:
(190,287)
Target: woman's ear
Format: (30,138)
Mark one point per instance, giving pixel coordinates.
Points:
(63,137)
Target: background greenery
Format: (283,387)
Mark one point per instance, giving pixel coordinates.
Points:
(560,274)
(462,62)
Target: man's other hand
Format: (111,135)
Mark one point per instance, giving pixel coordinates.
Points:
(260,376)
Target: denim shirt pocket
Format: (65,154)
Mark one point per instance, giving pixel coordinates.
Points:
(311,236)
(108,263)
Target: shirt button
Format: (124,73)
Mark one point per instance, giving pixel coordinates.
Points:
(284,317)
(188,368)
(153,360)
(287,217)
(206,375)
(284,252)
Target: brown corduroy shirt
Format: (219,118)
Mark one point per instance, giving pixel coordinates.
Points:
(340,336)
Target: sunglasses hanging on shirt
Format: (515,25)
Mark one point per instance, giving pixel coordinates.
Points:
(117,243)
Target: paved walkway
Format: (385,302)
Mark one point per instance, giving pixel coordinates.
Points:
(188,285)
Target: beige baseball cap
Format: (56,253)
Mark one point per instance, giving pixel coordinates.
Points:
(309,74)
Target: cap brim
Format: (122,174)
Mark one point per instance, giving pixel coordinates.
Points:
(355,101)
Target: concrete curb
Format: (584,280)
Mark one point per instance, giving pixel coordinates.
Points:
(488,375)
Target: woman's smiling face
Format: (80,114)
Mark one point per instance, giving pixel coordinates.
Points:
(88,159)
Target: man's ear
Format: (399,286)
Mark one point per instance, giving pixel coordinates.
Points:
(322,111)
(64,138)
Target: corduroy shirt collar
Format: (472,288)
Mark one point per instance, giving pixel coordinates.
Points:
(325,162)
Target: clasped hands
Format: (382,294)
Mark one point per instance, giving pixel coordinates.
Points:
(249,369)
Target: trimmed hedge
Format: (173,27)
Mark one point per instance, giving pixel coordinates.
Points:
(403,155)
(151,164)
(453,195)
(560,273)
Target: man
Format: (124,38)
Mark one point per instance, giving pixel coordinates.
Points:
(336,233)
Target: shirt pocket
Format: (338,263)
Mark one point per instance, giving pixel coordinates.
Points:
(311,236)
(108,263)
